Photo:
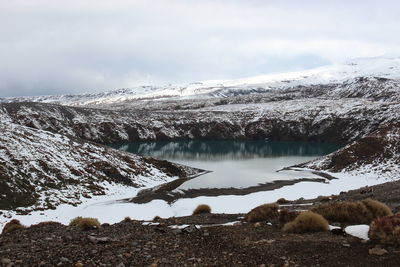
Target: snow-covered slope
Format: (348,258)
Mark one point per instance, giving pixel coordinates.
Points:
(376,153)
(352,78)
(40,169)
(311,119)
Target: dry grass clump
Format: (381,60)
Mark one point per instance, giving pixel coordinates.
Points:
(282,201)
(307,222)
(286,216)
(386,230)
(266,212)
(203,208)
(12,225)
(377,208)
(353,212)
(85,223)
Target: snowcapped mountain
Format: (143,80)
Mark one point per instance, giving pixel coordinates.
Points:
(344,77)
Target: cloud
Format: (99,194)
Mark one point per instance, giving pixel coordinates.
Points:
(52,47)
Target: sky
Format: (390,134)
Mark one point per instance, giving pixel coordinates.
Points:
(80,46)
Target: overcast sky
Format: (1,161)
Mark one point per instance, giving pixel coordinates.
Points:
(76,46)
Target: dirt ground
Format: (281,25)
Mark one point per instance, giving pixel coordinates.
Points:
(131,243)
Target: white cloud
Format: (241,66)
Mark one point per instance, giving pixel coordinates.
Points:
(61,46)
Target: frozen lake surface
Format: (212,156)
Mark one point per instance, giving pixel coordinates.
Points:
(234,163)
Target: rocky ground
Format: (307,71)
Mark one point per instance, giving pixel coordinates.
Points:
(130,243)
(198,240)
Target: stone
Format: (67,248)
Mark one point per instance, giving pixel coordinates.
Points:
(338,231)
(190,228)
(268,241)
(176,231)
(64,259)
(5,261)
(100,240)
(377,251)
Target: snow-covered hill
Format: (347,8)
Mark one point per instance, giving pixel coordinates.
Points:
(40,169)
(309,119)
(376,153)
(354,78)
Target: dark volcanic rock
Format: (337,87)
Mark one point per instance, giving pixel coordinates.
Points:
(135,244)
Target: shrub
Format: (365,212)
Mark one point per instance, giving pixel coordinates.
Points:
(344,212)
(307,221)
(127,219)
(85,223)
(286,216)
(282,201)
(353,212)
(377,208)
(203,208)
(386,230)
(11,226)
(156,218)
(263,213)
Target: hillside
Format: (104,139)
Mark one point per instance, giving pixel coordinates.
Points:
(40,169)
(376,153)
(307,119)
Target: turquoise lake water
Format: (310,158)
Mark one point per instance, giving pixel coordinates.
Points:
(234,163)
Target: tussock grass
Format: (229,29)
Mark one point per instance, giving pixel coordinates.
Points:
(203,208)
(307,222)
(286,216)
(386,230)
(353,212)
(377,208)
(282,201)
(266,212)
(85,223)
(12,226)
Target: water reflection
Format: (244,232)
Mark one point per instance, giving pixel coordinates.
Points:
(217,150)
(234,163)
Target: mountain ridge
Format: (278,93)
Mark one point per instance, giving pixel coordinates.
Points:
(337,75)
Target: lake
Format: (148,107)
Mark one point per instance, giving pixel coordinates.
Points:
(235,164)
